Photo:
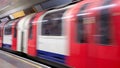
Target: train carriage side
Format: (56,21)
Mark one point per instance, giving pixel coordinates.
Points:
(103,48)
(51,36)
(101,28)
(107,37)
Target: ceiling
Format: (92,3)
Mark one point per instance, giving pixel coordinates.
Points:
(9,6)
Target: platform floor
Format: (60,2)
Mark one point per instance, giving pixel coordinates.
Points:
(8,60)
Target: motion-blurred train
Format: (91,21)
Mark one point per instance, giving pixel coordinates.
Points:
(82,35)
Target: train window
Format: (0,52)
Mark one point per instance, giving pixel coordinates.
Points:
(30,28)
(81,33)
(15,31)
(81,37)
(8,30)
(15,28)
(104,25)
(104,29)
(52,24)
(30,31)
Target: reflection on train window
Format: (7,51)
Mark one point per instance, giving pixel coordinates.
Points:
(30,28)
(81,35)
(104,29)
(104,24)
(8,30)
(52,24)
(15,31)
(30,31)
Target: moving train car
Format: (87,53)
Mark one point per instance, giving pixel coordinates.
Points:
(94,36)
(84,35)
(53,35)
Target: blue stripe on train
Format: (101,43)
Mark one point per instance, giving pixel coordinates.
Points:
(7,46)
(51,56)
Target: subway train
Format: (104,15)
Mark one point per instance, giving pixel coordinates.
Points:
(81,35)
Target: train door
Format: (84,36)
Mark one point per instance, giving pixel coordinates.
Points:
(52,40)
(7,35)
(102,24)
(22,35)
(14,34)
(79,34)
(32,32)
(25,31)
(90,21)
(106,40)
